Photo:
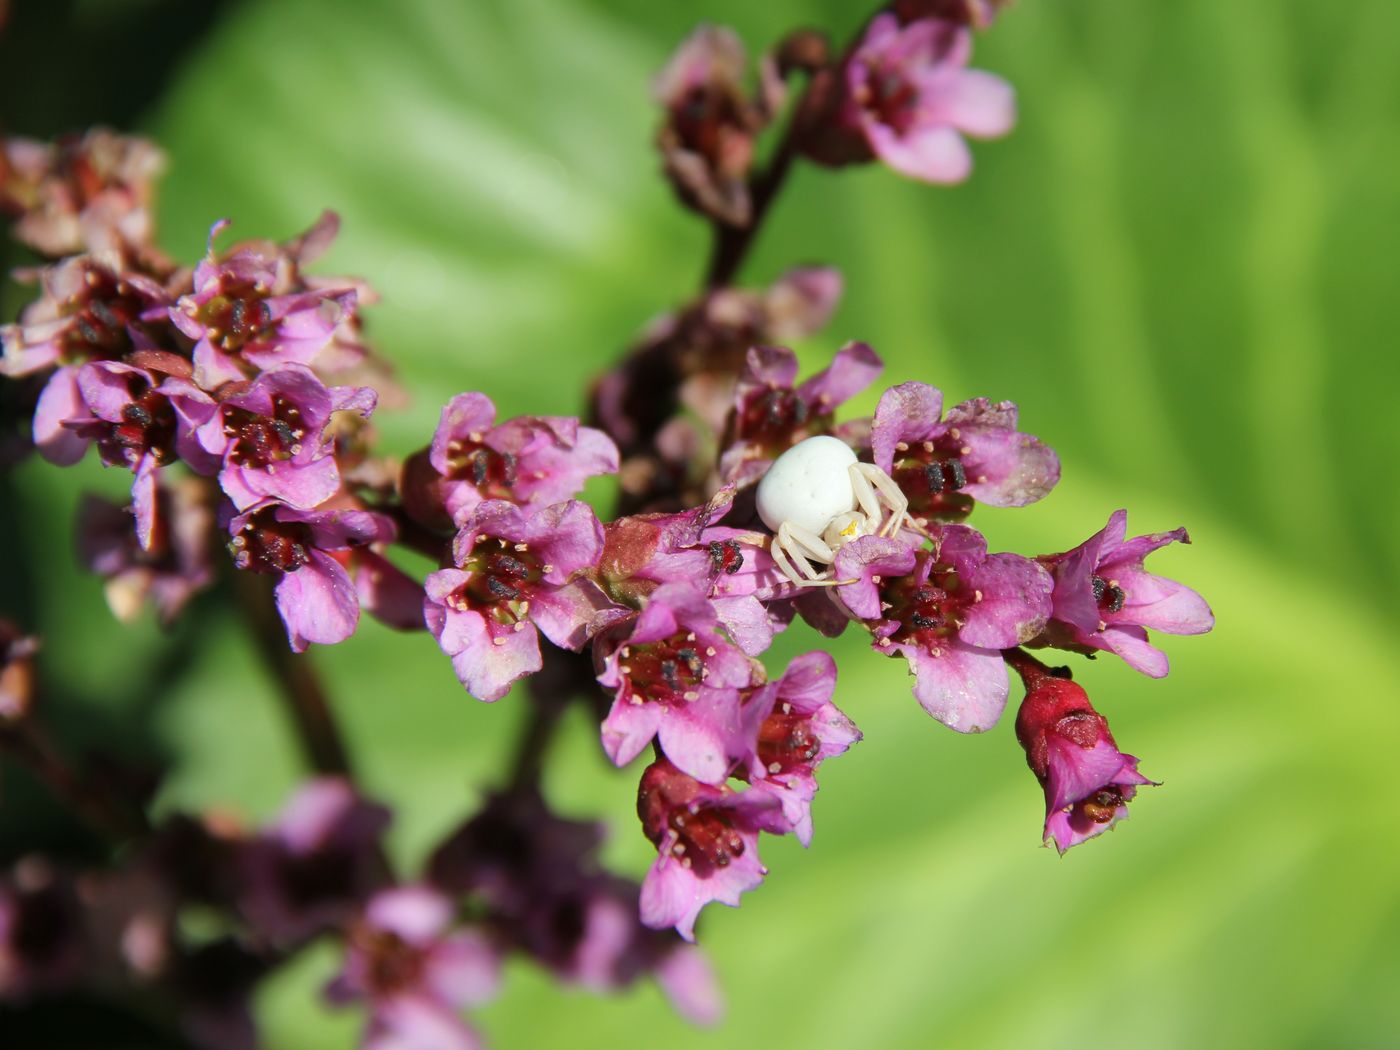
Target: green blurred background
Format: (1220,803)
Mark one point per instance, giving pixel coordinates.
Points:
(1180,265)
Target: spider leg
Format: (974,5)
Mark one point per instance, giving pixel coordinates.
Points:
(866,499)
(791,549)
(885,487)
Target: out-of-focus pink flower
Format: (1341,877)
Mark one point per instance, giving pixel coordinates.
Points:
(174,568)
(85,193)
(706,839)
(949,612)
(1105,600)
(1088,782)
(311,869)
(909,98)
(416,972)
(16,671)
(515,576)
(975,453)
(707,137)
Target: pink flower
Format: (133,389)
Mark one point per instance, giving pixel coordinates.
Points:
(949,612)
(707,137)
(515,576)
(416,972)
(534,460)
(795,727)
(270,438)
(909,93)
(1105,600)
(976,453)
(675,678)
(313,866)
(1088,782)
(770,414)
(707,844)
(315,596)
(241,325)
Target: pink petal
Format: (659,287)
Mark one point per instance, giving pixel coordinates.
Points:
(317,603)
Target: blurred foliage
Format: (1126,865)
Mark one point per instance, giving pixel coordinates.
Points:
(1175,266)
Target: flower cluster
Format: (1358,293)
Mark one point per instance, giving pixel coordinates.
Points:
(238,394)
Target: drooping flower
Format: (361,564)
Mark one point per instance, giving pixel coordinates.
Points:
(707,137)
(315,596)
(241,325)
(533,460)
(975,453)
(1088,782)
(948,612)
(314,866)
(416,971)
(706,839)
(909,98)
(795,727)
(770,414)
(270,439)
(675,678)
(176,565)
(1105,600)
(515,576)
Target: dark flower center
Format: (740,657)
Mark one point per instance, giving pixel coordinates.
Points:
(1107,595)
(726,556)
(704,119)
(236,315)
(147,424)
(890,97)
(101,313)
(1099,808)
(930,474)
(669,671)
(786,740)
(45,926)
(931,612)
(263,440)
(502,576)
(394,964)
(705,840)
(268,545)
(490,471)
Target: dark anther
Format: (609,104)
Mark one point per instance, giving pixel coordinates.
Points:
(959,475)
(500,589)
(934,473)
(511,566)
(726,556)
(134,413)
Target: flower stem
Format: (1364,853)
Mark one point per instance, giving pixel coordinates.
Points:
(298,683)
(1033,673)
(30,746)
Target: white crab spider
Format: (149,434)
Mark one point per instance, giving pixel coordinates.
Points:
(816,497)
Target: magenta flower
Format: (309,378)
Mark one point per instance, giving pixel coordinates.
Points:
(534,460)
(170,571)
(1105,600)
(1088,782)
(315,864)
(948,612)
(909,94)
(676,678)
(975,453)
(514,577)
(315,596)
(707,844)
(795,727)
(271,441)
(771,414)
(134,424)
(416,972)
(238,323)
(707,138)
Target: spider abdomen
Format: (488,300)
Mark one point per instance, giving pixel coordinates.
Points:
(808,485)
